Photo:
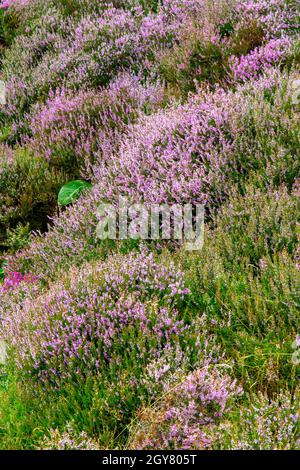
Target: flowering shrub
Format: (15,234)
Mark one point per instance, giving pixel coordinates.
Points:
(68,440)
(154,164)
(279,212)
(257,236)
(13,3)
(78,54)
(264,425)
(74,130)
(201,16)
(261,58)
(20,63)
(28,190)
(277,17)
(90,50)
(161,102)
(187,410)
(92,320)
(13,280)
(188,154)
(174,156)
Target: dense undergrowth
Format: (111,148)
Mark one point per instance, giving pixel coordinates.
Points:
(145,345)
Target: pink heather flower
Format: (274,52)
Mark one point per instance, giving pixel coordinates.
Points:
(187,411)
(177,155)
(13,3)
(14,279)
(277,17)
(265,424)
(263,264)
(89,124)
(251,65)
(80,326)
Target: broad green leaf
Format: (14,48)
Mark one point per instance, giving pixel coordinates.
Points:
(71,191)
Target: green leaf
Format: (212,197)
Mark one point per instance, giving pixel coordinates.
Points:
(71,191)
(2,270)
(226,29)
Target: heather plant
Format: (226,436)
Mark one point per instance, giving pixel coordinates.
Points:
(80,243)
(268,144)
(189,153)
(68,440)
(17,238)
(19,63)
(158,165)
(269,219)
(105,323)
(277,17)
(251,320)
(259,59)
(74,131)
(263,425)
(226,42)
(13,280)
(245,37)
(91,319)
(77,53)
(13,3)
(254,310)
(81,52)
(149,151)
(28,191)
(31,418)
(198,55)
(8,29)
(107,344)
(192,63)
(181,418)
